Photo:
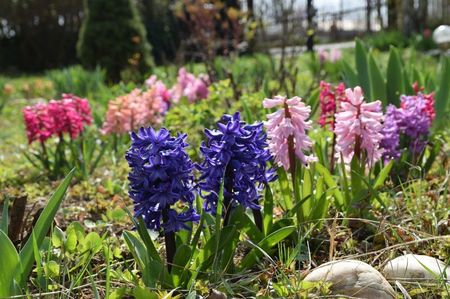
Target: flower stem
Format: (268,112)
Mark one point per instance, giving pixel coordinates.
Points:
(258,219)
(169,238)
(45,157)
(228,193)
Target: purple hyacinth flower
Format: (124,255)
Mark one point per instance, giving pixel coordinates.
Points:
(236,154)
(407,126)
(391,135)
(160,176)
(415,122)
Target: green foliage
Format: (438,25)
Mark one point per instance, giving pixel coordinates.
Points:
(443,92)
(383,40)
(77,80)
(17,266)
(113,37)
(83,153)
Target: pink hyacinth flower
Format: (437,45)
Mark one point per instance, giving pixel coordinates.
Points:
(38,122)
(358,127)
(286,130)
(335,55)
(134,110)
(189,86)
(329,97)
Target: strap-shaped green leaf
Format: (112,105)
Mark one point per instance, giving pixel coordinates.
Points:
(377,82)
(394,82)
(9,264)
(362,68)
(42,227)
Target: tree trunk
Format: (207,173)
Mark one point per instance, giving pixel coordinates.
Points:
(368,18)
(392,14)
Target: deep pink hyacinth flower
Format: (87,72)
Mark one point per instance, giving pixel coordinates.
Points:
(189,86)
(329,97)
(38,122)
(286,130)
(68,115)
(358,127)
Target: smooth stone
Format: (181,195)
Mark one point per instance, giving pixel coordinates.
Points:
(415,267)
(352,278)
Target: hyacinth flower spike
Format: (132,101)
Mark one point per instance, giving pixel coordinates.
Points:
(235,155)
(160,177)
(358,128)
(330,97)
(287,138)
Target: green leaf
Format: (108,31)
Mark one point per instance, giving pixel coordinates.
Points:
(42,227)
(349,75)
(266,244)
(4,222)
(52,269)
(407,85)
(362,68)
(376,82)
(137,248)
(394,78)
(331,183)
(268,210)
(286,193)
(383,175)
(443,93)
(181,258)
(144,293)
(9,265)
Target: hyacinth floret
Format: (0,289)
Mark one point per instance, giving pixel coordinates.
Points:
(286,130)
(236,152)
(189,86)
(160,177)
(329,97)
(415,121)
(391,134)
(410,122)
(67,115)
(358,128)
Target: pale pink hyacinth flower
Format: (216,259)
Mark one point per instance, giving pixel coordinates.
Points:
(335,55)
(358,128)
(329,56)
(189,86)
(159,88)
(286,130)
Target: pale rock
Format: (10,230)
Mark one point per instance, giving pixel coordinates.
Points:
(417,268)
(352,278)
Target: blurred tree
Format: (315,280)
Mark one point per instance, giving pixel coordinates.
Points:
(162,29)
(114,37)
(393,12)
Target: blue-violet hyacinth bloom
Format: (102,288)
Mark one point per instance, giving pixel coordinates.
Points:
(237,152)
(160,176)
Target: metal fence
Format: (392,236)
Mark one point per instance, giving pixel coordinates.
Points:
(337,20)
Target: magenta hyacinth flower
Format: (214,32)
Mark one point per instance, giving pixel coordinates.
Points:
(358,128)
(329,97)
(286,130)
